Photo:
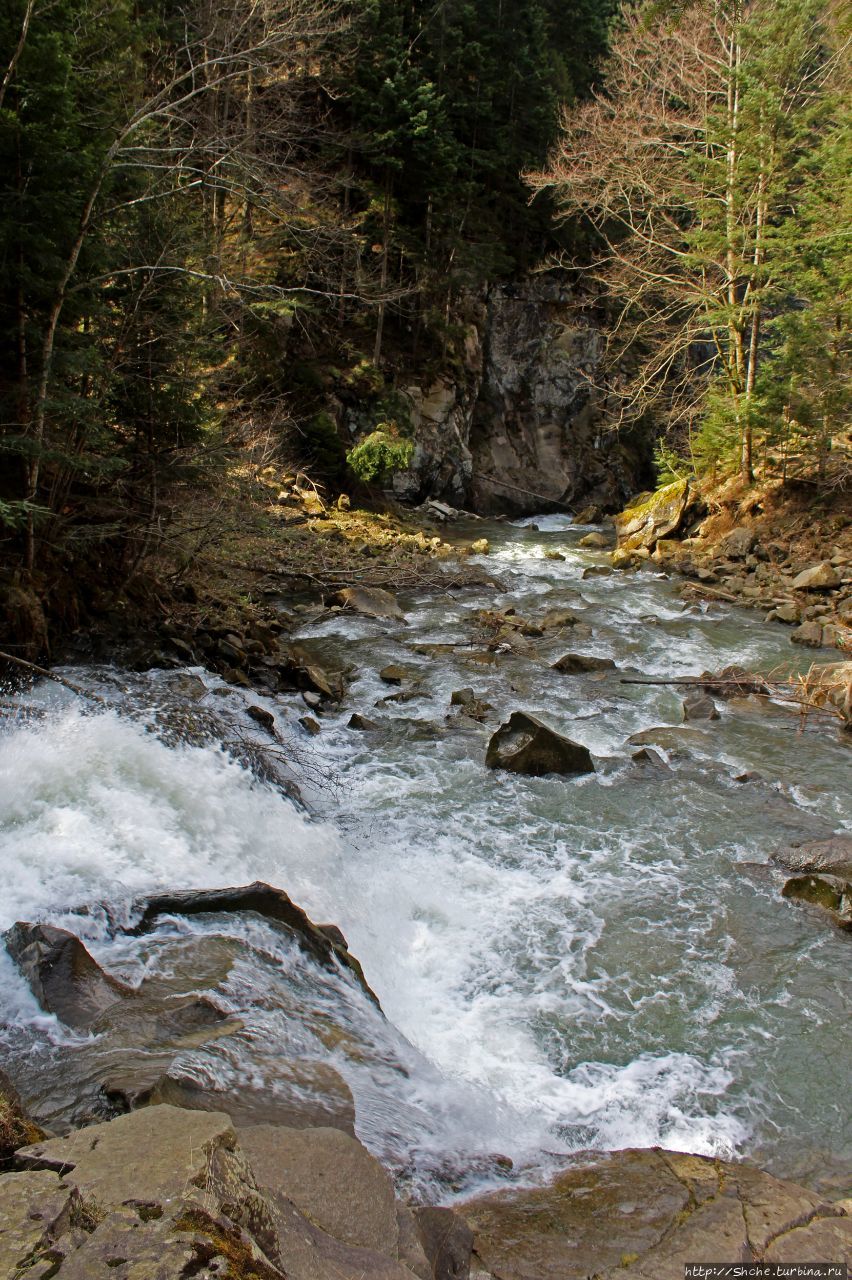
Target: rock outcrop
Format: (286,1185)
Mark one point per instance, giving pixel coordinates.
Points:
(537,437)
(645,1214)
(168,1194)
(517,426)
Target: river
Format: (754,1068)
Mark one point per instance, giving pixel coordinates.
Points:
(564,963)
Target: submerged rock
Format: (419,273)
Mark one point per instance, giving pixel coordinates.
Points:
(833,894)
(525,745)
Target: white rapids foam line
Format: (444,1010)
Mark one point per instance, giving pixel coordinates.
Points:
(94,809)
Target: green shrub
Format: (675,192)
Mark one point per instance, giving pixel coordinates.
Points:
(380,454)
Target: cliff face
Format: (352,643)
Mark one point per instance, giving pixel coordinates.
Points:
(523,428)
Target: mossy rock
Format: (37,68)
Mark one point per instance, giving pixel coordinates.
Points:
(652,516)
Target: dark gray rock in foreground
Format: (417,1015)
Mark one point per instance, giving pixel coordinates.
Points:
(64,978)
(525,745)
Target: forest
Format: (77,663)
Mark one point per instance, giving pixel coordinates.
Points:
(226,222)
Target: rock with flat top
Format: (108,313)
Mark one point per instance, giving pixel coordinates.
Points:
(331,1178)
(832,894)
(808,634)
(819,577)
(525,744)
(643,1215)
(150,1155)
(36,1210)
(595,541)
(700,706)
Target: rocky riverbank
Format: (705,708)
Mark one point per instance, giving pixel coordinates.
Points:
(166,1194)
(780,549)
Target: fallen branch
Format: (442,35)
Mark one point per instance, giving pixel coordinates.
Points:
(51,675)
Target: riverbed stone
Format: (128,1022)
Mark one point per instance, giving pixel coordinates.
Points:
(362,723)
(147,1155)
(374,602)
(833,855)
(524,744)
(35,1211)
(267,901)
(651,516)
(832,894)
(447,1241)
(595,541)
(819,577)
(700,706)
(331,1178)
(808,634)
(573,664)
(306,1094)
(64,978)
(393,673)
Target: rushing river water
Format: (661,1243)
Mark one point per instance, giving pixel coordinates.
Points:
(564,963)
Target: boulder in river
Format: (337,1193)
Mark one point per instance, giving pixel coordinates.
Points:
(832,894)
(265,900)
(700,706)
(374,602)
(65,979)
(574,664)
(833,856)
(525,745)
(363,723)
(595,541)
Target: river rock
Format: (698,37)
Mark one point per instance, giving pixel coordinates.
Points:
(36,1210)
(264,718)
(481,547)
(552,554)
(447,1241)
(64,978)
(17,1129)
(832,894)
(146,1155)
(271,903)
(595,541)
(808,634)
(642,1215)
(700,706)
(525,745)
(363,723)
(833,856)
(331,1178)
(651,516)
(393,674)
(305,1095)
(375,602)
(573,664)
(819,577)
(597,571)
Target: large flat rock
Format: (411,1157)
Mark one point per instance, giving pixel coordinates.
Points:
(149,1155)
(645,1214)
(331,1178)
